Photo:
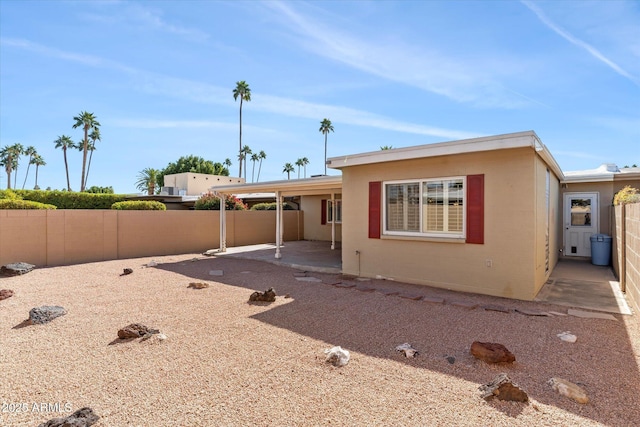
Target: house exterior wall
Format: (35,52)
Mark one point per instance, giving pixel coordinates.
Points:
(63,237)
(512,226)
(313,227)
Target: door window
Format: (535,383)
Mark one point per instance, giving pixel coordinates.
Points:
(581,212)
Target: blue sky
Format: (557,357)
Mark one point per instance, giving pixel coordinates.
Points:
(159,77)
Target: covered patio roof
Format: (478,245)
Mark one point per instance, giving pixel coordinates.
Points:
(318,185)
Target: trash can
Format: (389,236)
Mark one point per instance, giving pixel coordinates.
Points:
(600,249)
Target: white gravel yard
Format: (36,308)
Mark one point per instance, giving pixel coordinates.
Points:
(227,362)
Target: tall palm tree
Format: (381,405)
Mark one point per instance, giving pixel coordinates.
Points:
(245,151)
(242,90)
(305,162)
(31,152)
(18,150)
(299,164)
(288,168)
(147,179)
(8,160)
(93,136)
(65,143)
(325,128)
(254,158)
(386,147)
(38,161)
(88,122)
(262,156)
(227,163)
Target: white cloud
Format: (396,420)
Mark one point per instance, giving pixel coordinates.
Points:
(578,42)
(421,67)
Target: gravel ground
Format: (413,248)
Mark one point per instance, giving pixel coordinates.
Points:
(227,362)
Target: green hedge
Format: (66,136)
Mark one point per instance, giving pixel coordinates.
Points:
(71,199)
(270,207)
(139,205)
(23,204)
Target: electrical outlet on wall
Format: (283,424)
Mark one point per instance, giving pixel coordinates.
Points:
(488,263)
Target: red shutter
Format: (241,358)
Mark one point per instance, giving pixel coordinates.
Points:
(323,211)
(375,196)
(475,209)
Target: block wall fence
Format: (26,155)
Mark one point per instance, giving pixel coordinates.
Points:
(64,237)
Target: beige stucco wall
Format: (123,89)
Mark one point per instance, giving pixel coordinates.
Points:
(512,218)
(197,183)
(62,237)
(313,228)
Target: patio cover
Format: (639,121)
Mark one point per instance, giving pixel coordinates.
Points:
(290,187)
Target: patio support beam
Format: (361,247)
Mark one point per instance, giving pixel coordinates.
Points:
(223,223)
(333,221)
(278,224)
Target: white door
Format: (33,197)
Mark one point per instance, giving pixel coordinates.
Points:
(580,222)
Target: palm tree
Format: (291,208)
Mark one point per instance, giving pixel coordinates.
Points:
(8,160)
(386,147)
(299,163)
(147,179)
(262,155)
(288,168)
(227,162)
(38,161)
(31,152)
(244,152)
(94,136)
(254,158)
(88,122)
(65,143)
(242,90)
(305,162)
(18,150)
(325,128)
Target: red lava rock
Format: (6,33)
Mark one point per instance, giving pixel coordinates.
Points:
(5,293)
(491,352)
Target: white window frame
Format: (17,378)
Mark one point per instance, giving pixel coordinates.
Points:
(421,182)
(338,211)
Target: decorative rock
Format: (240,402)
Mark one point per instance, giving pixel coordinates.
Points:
(567,336)
(211,252)
(569,389)
(16,269)
(127,271)
(464,304)
(216,273)
(136,330)
(491,352)
(5,293)
(267,296)
(308,279)
(345,285)
(495,307)
(84,417)
(532,312)
(407,350)
(337,356)
(502,388)
(198,285)
(45,314)
(451,360)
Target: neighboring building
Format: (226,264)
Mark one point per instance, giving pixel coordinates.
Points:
(194,184)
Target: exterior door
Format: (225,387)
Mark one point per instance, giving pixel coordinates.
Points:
(580,222)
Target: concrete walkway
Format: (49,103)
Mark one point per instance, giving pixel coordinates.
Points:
(573,283)
(580,284)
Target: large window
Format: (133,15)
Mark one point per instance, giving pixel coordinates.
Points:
(430,207)
(338,211)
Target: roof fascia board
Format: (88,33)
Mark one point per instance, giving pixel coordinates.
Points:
(289,186)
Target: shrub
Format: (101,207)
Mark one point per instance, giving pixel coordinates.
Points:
(270,207)
(139,205)
(627,195)
(210,202)
(72,199)
(9,194)
(16,203)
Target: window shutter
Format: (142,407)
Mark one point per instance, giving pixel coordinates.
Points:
(475,209)
(323,211)
(375,195)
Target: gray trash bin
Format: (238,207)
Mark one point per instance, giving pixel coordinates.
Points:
(600,249)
